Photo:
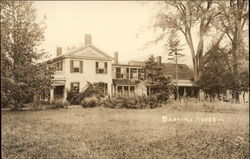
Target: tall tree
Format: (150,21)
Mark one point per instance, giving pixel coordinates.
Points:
(21,35)
(233,21)
(186,16)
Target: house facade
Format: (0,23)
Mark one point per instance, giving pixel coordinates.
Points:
(75,68)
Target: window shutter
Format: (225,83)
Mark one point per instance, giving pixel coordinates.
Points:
(62,65)
(81,67)
(71,86)
(71,66)
(106,68)
(96,67)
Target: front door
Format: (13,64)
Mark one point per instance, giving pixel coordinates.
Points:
(58,93)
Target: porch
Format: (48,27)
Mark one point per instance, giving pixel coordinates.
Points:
(58,91)
(123,88)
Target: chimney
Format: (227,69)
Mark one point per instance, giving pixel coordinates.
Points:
(58,51)
(158,60)
(116,58)
(88,40)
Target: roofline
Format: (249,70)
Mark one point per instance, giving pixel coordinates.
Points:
(76,57)
(127,65)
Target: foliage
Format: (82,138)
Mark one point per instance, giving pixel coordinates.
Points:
(159,84)
(244,80)
(233,22)
(173,46)
(93,89)
(75,97)
(22,72)
(216,72)
(57,105)
(89,102)
(136,102)
(97,89)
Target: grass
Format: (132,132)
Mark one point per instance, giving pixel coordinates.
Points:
(121,133)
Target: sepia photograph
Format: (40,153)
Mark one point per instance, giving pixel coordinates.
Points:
(133,79)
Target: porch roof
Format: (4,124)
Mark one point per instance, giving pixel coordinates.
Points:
(58,82)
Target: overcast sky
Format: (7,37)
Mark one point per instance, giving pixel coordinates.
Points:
(112,24)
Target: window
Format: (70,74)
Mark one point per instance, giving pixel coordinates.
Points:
(76,66)
(119,91)
(59,66)
(119,72)
(126,93)
(132,89)
(141,74)
(75,86)
(133,73)
(102,67)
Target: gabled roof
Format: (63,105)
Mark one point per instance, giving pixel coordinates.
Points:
(184,72)
(72,52)
(75,54)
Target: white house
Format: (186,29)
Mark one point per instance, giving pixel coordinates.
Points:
(77,67)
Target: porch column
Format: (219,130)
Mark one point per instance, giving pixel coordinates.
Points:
(128,73)
(122,91)
(116,90)
(51,94)
(185,93)
(64,94)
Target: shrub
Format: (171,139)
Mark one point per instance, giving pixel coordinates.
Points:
(95,89)
(38,105)
(75,97)
(57,105)
(136,102)
(89,102)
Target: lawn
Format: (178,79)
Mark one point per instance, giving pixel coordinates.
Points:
(121,133)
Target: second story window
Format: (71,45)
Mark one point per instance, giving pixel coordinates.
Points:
(76,66)
(59,66)
(133,73)
(101,67)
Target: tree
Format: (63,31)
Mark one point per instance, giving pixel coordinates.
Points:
(21,73)
(232,21)
(215,75)
(158,83)
(244,79)
(173,47)
(186,16)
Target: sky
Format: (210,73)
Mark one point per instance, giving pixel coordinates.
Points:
(115,26)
